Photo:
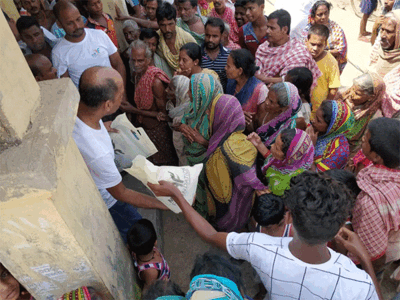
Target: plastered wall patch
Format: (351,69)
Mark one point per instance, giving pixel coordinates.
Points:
(51,273)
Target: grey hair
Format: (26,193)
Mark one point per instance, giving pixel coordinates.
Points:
(138,44)
(365,83)
(281,92)
(392,16)
(130,23)
(227,28)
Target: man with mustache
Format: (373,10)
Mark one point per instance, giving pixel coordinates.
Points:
(190,21)
(35,8)
(214,53)
(385,55)
(172,37)
(82,48)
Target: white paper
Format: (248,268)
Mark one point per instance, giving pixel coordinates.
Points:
(185,178)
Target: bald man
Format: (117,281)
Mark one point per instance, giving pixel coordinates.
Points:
(101,90)
(82,48)
(41,67)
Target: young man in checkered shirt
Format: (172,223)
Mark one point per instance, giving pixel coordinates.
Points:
(302,267)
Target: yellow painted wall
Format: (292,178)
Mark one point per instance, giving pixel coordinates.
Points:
(9,7)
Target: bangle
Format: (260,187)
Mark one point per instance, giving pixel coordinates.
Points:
(267,153)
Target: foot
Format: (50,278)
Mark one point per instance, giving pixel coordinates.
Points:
(365,33)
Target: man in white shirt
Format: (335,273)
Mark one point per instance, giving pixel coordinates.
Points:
(302,267)
(101,90)
(82,48)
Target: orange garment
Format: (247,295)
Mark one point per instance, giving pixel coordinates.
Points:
(109,30)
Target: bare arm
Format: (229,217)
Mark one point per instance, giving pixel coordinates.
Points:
(160,95)
(332,94)
(141,22)
(123,194)
(199,224)
(117,64)
(267,79)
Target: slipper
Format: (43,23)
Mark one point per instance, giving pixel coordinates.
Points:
(366,39)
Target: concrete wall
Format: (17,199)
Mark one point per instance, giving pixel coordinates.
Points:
(9,7)
(19,92)
(56,232)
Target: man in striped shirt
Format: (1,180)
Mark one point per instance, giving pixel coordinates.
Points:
(214,53)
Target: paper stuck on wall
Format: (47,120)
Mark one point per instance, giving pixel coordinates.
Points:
(130,141)
(184,178)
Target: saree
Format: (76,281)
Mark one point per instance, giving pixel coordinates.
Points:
(299,157)
(182,38)
(205,7)
(198,37)
(391,99)
(383,61)
(228,194)
(250,93)
(269,131)
(206,285)
(204,90)
(332,148)
(79,294)
(363,113)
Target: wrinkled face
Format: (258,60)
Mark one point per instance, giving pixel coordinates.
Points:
(271,103)
(322,15)
(139,61)
(231,71)
(358,96)
(9,286)
(170,91)
(253,11)
(274,32)
(318,123)
(32,6)
(131,34)
(151,8)
(34,38)
(219,4)
(240,16)
(316,45)
(212,37)
(185,62)
(276,149)
(167,28)
(152,43)
(47,71)
(388,34)
(94,7)
(186,11)
(72,22)
(388,5)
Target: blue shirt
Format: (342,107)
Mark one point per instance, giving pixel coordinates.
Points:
(217,65)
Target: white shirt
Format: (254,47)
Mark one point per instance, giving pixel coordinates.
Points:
(94,50)
(286,277)
(305,112)
(98,153)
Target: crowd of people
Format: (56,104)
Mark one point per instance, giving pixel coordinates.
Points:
(301,174)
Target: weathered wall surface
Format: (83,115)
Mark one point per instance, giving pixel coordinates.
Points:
(56,233)
(9,7)
(19,91)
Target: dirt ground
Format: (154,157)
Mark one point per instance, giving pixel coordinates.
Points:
(181,243)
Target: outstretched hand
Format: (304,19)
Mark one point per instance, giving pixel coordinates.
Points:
(164,189)
(107,125)
(352,243)
(255,139)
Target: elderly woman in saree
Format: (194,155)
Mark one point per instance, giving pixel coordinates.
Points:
(391,99)
(364,98)
(337,43)
(278,112)
(332,120)
(177,106)
(250,91)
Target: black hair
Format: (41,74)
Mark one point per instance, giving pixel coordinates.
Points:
(349,179)
(242,58)
(141,237)
(193,50)
(396,115)
(217,265)
(26,22)
(385,140)
(319,206)
(327,112)
(318,4)
(162,288)
(147,33)
(240,3)
(216,22)
(93,96)
(302,78)
(283,17)
(258,2)
(6,16)
(165,11)
(193,3)
(320,30)
(287,136)
(268,210)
